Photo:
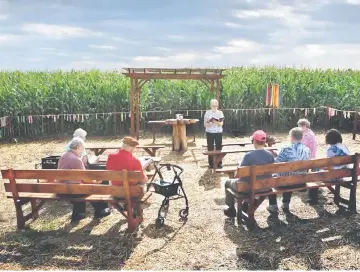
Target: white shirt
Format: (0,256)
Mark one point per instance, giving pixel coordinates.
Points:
(213,128)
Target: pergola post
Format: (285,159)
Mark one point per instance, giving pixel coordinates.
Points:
(132,107)
(218,91)
(137,95)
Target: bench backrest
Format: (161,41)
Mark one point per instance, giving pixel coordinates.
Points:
(253,172)
(127,190)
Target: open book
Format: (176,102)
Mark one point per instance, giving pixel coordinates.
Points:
(217,120)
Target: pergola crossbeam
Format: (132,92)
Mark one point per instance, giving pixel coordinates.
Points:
(139,77)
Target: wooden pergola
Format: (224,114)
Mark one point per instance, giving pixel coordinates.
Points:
(139,76)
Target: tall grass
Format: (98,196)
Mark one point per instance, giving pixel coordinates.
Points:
(41,93)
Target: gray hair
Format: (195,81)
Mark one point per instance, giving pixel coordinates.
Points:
(304,122)
(214,101)
(76,142)
(80,133)
(296,133)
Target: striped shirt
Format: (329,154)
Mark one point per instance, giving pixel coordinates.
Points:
(291,153)
(213,128)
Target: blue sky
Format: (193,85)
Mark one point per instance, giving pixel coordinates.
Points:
(111,34)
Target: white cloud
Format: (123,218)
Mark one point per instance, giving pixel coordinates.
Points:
(353,2)
(183,59)
(176,37)
(59,31)
(102,47)
(35,59)
(4,17)
(232,25)
(7,39)
(313,56)
(92,64)
(238,46)
(126,41)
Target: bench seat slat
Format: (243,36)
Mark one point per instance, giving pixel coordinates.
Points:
(76,189)
(50,196)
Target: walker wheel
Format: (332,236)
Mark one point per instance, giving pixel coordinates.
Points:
(184,213)
(159,222)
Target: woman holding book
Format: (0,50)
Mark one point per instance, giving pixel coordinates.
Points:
(214,121)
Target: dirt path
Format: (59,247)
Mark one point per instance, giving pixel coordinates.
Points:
(317,239)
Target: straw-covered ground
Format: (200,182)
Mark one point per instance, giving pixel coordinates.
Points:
(315,238)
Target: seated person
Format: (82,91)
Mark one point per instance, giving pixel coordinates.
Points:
(309,139)
(337,148)
(296,151)
(71,160)
(125,160)
(81,134)
(259,156)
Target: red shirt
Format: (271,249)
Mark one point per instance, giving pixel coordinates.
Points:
(123,160)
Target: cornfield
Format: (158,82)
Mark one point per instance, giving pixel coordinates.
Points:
(43,93)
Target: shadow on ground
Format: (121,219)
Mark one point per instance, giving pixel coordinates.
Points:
(296,243)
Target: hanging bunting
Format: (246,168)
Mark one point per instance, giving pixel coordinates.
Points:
(345,114)
(3,121)
(294,111)
(30,119)
(187,113)
(268,95)
(314,110)
(201,114)
(269,111)
(306,112)
(349,114)
(122,117)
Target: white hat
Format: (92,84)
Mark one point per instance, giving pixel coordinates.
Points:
(80,133)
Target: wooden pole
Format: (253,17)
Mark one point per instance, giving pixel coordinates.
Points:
(356,117)
(132,107)
(218,91)
(274,120)
(137,94)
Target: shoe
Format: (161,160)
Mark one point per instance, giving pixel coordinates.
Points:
(273,209)
(211,167)
(285,207)
(220,167)
(77,217)
(230,212)
(103,213)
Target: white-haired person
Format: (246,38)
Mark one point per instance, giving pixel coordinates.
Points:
(80,133)
(213,122)
(309,139)
(72,160)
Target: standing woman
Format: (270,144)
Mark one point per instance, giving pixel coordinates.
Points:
(214,121)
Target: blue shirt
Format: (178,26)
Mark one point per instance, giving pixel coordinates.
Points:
(291,153)
(337,150)
(257,157)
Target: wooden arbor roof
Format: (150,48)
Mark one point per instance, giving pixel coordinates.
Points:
(139,76)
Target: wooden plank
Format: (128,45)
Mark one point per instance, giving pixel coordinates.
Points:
(75,189)
(90,198)
(229,151)
(303,165)
(101,146)
(302,178)
(174,76)
(56,174)
(240,143)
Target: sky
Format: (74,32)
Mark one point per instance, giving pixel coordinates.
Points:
(112,34)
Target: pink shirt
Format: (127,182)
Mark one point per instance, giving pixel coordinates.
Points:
(309,139)
(70,161)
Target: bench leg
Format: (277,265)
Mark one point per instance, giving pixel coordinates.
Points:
(35,213)
(20,219)
(251,214)
(337,195)
(352,199)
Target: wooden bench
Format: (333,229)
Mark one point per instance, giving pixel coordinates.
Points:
(248,192)
(244,143)
(100,149)
(37,193)
(218,155)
